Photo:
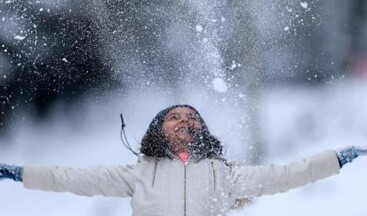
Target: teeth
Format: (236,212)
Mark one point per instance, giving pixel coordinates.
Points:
(181,129)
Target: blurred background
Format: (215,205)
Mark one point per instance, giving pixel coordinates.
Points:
(275,81)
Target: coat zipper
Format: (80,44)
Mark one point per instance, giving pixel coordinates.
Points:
(214,168)
(155,171)
(185,198)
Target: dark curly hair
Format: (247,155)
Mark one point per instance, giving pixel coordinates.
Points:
(155,144)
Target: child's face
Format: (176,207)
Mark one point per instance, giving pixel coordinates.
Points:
(177,125)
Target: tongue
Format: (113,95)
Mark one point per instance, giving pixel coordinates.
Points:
(183,156)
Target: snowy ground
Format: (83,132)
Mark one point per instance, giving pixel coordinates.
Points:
(296,123)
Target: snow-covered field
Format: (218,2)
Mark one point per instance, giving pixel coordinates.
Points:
(296,123)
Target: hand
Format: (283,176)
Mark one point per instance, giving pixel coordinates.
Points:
(348,154)
(11,172)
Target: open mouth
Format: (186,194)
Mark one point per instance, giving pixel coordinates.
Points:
(181,129)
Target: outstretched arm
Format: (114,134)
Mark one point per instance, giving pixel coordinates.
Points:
(107,181)
(255,181)
(262,180)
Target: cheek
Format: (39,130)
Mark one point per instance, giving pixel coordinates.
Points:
(167,127)
(167,130)
(197,125)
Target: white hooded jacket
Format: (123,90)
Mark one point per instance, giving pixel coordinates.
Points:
(170,187)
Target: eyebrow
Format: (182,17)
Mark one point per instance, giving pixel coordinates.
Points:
(174,113)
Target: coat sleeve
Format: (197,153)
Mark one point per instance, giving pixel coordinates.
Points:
(265,180)
(114,181)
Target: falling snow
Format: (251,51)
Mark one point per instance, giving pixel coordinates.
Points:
(199,28)
(73,70)
(219,85)
(289,9)
(18,37)
(233,65)
(304,5)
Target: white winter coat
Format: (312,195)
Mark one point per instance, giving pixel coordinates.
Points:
(166,187)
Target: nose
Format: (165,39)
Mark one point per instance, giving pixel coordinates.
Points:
(184,118)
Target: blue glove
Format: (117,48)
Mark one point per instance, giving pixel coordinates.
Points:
(348,154)
(11,172)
